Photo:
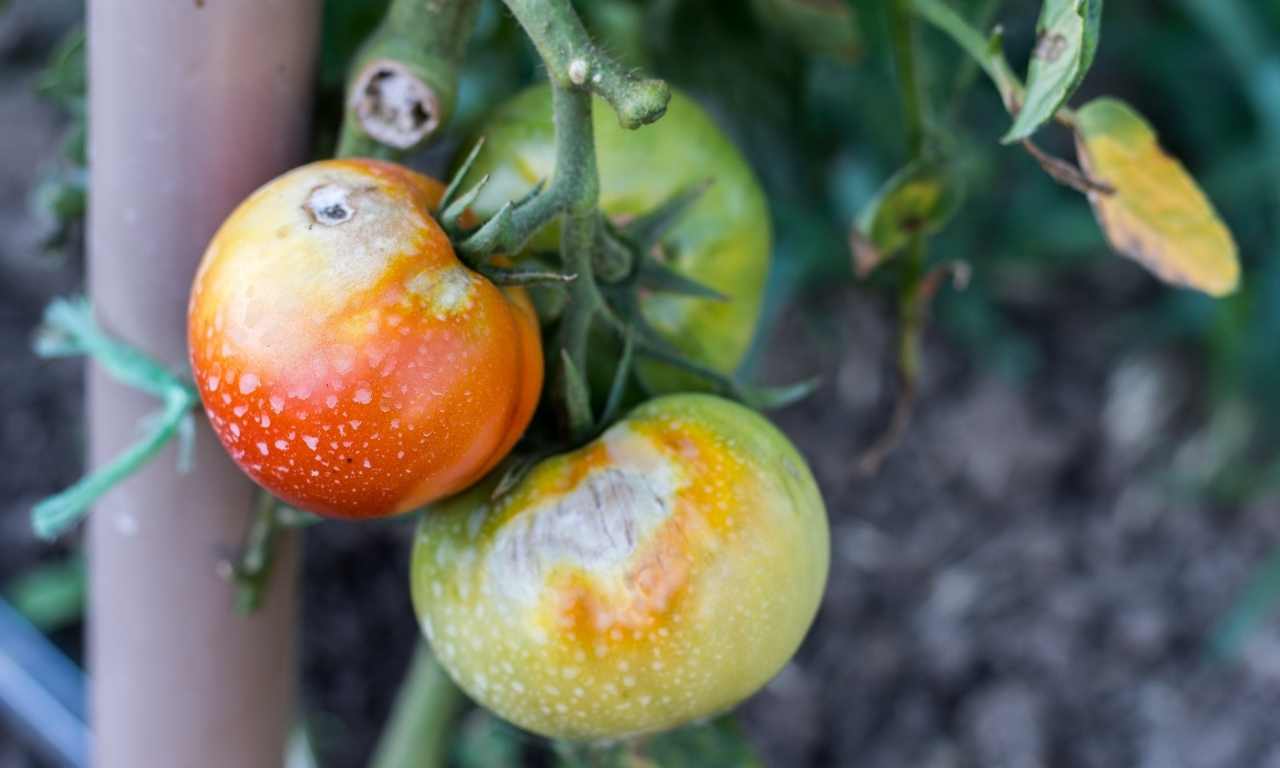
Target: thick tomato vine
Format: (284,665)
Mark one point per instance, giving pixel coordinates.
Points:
(347,360)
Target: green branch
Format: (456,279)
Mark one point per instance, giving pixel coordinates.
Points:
(576,69)
(574,62)
(902,31)
(251,572)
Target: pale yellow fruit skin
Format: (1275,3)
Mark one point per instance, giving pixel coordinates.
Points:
(658,575)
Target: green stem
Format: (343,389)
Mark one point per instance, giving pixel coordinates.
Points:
(573,61)
(253,571)
(983,50)
(968,70)
(902,32)
(576,69)
(417,736)
(404,81)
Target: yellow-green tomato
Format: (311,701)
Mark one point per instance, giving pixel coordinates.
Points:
(660,574)
(723,241)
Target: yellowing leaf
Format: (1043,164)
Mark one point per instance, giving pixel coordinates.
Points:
(1157,213)
(919,199)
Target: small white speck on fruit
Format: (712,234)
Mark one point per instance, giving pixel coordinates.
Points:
(248,383)
(363,395)
(277,403)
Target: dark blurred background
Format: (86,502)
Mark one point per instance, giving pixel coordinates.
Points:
(1074,557)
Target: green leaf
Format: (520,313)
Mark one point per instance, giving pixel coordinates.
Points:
(773,398)
(717,743)
(1156,214)
(1067,40)
(918,200)
(656,276)
(484,741)
(621,375)
(648,230)
(576,396)
(455,183)
(1249,611)
(51,596)
(64,80)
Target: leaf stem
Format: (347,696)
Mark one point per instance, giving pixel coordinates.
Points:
(902,32)
(983,50)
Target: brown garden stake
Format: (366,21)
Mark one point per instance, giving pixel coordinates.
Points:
(194,103)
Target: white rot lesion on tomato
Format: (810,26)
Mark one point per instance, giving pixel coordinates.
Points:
(601,528)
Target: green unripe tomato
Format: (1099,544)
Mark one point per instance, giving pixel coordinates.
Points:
(723,241)
(660,574)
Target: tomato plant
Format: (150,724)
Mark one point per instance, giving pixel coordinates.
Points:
(347,360)
(657,575)
(363,342)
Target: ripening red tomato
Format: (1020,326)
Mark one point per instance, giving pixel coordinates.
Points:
(349,363)
(657,575)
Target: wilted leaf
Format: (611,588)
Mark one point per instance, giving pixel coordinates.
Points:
(1067,39)
(1157,213)
(918,199)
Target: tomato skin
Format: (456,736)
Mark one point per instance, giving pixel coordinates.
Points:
(723,241)
(657,575)
(348,362)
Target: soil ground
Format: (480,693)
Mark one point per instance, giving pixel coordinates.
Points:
(1020,586)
